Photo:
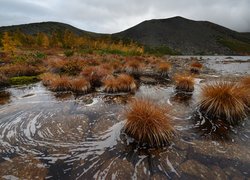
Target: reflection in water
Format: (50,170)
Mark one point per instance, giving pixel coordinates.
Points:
(81,137)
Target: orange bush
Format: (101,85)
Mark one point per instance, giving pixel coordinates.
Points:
(148,123)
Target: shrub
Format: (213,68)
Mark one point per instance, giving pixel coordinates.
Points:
(126,83)
(223,100)
(184,82)
(148,123)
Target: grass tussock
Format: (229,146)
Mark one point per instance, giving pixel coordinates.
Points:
(122,83)
(47,78)
(3,80)
(223,100)
(61,83)
(195,67)
(163,68)
(148,123)
(133,67)
(14,70)
(184,82)
(95,74)
(79,85)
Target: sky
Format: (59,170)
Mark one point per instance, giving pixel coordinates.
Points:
(110,16)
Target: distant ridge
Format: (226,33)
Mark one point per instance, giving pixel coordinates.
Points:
(179,34)
(188,36)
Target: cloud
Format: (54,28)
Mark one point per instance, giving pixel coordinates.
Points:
(109,16)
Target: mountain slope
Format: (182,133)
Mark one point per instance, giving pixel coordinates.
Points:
(187,36)
(46,27)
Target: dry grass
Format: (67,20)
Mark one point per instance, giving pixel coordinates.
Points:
(195,67)
(133,67)
(184,82)
(79,85)
(111,85)
(123,83)
(61,83)
(47,78)
(95,75)
(245,87)
(126,83)
(3,80)
(163,68)
(12,70)
(148,123)
(223,100)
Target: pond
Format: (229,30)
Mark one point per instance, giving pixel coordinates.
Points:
(46,135)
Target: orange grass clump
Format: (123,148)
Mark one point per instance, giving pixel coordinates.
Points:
(184,83)
(95,75)
(245,86)
(164,68)
(123,83)
(148,123)
(79,85)
(111,85)
(47,78)
(126,83)
(61,83)
(196,67)
(223,100)
(133,67)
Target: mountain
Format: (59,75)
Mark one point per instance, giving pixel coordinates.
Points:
(172,35)
(188,36)
(46,27)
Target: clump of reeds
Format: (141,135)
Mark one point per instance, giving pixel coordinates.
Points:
(184,82)
(223,100)
(79,85)
(148,123)
(163,68)
(195,67)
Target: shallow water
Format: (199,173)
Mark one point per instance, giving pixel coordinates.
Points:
(44,135)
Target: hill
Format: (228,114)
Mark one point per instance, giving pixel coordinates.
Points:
(188,36)
(175,35)
(46,27)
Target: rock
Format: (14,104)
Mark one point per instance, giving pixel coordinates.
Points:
(26,167)
(226,150)
(196,169)
(116,169)
(218,173)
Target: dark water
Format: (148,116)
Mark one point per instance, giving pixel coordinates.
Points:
(44,135)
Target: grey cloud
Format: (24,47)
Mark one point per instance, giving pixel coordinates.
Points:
(108,16)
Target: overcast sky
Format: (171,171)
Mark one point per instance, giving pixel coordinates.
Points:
(109,16)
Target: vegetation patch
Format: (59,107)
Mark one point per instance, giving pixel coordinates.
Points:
(23,80)
(235,45)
